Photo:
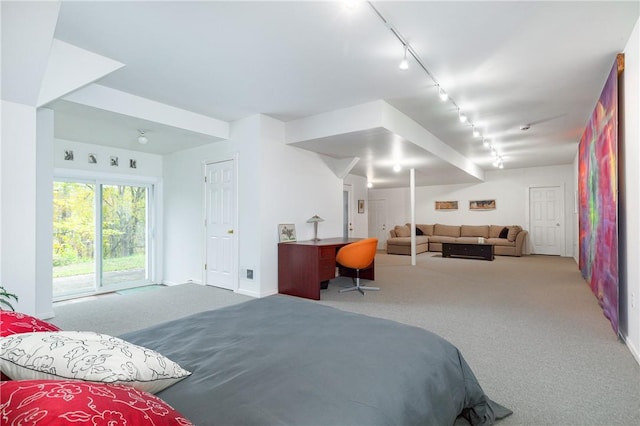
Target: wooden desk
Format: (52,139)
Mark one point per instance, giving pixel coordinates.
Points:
(306,266)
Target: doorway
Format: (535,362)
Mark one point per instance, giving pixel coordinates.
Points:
(101,238)
(378,221)
(220,225)
(546,220)
(347,203)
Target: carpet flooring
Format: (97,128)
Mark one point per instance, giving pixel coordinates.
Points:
(529,327)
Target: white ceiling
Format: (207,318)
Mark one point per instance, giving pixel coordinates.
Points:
(505,64)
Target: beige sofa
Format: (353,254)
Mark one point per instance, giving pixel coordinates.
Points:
(511,243)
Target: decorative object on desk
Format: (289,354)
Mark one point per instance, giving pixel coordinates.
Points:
(315,219)
(93,159)
(133,163)
(446,205)
(482,205)
(286,232)
(114,161)
(68,155)
(360,206)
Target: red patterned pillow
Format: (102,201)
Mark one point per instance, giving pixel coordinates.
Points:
(15,323)
(60,402)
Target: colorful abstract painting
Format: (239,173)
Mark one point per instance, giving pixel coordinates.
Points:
(598,202)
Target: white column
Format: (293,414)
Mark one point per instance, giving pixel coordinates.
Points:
(412,190)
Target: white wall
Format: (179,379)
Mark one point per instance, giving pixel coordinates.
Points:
(630,311)
(18,169)
(508,187)
(277,184)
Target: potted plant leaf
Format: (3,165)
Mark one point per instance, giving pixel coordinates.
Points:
(5,297)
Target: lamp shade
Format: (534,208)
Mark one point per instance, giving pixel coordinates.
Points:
(315,218)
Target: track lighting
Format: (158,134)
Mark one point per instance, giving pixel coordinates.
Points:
(476,133)
(404,65)
(486,142)
(462,117)
(443,95)
(142,139)
(397,168)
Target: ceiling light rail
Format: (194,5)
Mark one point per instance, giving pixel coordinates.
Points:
(444,96)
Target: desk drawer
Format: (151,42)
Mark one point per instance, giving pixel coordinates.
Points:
(327,252)
(327,269)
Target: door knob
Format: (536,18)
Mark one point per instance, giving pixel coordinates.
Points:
(230,231)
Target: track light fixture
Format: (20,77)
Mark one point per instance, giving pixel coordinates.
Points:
(443,95)
(142,139)
(404,64)
(397,168)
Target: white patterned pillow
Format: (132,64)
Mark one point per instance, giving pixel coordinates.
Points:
(87,356)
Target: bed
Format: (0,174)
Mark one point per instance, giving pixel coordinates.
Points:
(281,360)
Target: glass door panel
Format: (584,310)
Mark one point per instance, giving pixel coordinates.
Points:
(73,238)
(124,234)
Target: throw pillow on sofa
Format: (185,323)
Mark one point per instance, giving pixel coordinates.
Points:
(504,233)
(513,233)
(403,231)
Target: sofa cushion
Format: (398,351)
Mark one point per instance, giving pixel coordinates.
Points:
(426,229)
(406,241)
(446,230)
(500,242)
(402,231)
(494,231)
(504,233)
(513,232)
(474,231)
(442,239)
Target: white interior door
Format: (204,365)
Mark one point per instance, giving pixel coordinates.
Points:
(378,222)
(546,220)
(220,224)
(347,218)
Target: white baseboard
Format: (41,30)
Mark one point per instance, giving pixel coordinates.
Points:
(45,315)
(172,283)
(256,294)
(634,351)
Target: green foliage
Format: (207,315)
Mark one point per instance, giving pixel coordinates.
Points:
(5,297)
(87,266)
(123,222)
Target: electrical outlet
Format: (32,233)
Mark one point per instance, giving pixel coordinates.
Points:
(249,274)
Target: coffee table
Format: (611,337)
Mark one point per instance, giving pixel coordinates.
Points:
(468,250)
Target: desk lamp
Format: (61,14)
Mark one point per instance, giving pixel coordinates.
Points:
(315,219)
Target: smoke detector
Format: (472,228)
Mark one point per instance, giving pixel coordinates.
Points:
(525,127)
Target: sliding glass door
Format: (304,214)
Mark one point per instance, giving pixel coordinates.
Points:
(100,237)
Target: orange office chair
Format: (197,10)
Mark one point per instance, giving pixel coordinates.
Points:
(358,256)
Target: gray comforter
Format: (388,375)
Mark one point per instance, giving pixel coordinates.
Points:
(287,361)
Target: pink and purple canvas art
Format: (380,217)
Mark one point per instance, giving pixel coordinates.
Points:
(598,203)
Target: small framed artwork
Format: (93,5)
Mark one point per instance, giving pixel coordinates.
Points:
(286,232)
(446,205)
(93,159)
(360,206)
(482,205)
(68,155)
(133,163)
(114,161)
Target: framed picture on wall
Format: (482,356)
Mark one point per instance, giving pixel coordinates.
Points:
(482,205)
(360,206)
(446,205)
(286,232)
